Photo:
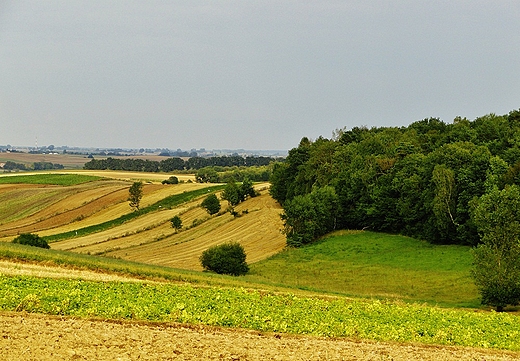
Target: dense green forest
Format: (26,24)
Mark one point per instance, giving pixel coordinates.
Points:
(422,180)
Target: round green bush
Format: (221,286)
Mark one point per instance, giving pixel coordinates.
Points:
(30,239)
(227,258)
(211,204)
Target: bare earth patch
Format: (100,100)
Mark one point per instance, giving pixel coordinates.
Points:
(36,337)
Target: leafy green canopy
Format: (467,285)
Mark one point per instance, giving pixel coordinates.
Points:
(227,258)
(135,193)
(497,260)
(211,204)
(416,180)
(30,239)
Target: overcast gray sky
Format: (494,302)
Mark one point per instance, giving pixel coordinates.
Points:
(247,74)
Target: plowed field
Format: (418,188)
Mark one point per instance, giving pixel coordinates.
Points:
(35,337)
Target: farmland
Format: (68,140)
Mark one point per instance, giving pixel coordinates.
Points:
(287,291)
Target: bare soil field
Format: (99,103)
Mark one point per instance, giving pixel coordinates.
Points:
(37,337)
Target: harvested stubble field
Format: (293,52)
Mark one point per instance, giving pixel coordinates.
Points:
(149,238)
(258,231)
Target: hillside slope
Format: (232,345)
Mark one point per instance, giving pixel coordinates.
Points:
(258,231)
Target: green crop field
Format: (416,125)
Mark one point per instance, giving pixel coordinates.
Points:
(258,310)
(48,178)
(375,265)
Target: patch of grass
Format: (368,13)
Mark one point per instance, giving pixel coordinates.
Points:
(378,265)
(166,203)
(50,179)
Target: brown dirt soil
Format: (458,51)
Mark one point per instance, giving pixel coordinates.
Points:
(37,337)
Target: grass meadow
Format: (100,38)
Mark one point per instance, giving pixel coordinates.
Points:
(378,265)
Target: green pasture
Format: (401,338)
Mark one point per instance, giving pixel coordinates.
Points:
(49,179)
(368,264)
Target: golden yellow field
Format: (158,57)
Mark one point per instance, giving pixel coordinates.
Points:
(49,210)
(68,160)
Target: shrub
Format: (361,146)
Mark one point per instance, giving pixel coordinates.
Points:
(176,222)
(211,204)
(171,180)
(227,258)
(30,239)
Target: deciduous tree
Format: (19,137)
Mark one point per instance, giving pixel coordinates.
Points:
(227,258)
(135,193)
(176,223)
(497,260)
(211,204)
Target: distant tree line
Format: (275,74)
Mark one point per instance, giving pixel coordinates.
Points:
(422,180)
(231,174)
(46,166)
(9,165)
(175,163)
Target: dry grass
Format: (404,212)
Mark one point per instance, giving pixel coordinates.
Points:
(49,210)
(258,231)
(136,176)
(47,271)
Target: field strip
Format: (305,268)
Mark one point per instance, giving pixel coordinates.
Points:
(115,210)
(258,231)
(44,271)
(152,233)
(16,204)
(35,337)
(134,176)
(134,226)
(162,191)
(65,210)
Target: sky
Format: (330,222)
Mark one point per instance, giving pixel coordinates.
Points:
(247,74)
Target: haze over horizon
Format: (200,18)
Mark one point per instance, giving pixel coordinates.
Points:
(247,75)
